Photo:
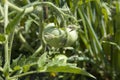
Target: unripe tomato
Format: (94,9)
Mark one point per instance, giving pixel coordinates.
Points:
(71,35)
(53,36)
(60,59)
(60,38)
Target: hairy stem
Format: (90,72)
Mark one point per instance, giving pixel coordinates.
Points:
(41,27)
(5,25)
(30,9)
(7,58)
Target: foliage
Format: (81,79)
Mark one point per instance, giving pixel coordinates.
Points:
(26,55)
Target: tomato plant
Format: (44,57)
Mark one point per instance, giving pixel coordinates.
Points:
(25,36)
(59,39)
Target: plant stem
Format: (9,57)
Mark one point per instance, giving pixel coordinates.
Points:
(7,62)
(23,74)
(41,27)
(25,43)
(15,7)
(30,9)
(1,10)
(112,43)
(37,51)
(5,25)
(10,45)
(55,8)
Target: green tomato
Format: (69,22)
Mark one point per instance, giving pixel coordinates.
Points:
(62,59)
(71,35)
(53,36)
(59,38)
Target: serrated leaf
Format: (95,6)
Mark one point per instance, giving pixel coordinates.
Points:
(31,60)
(2,38)
(59,64)
(68,69)
(42,60)
(11,25)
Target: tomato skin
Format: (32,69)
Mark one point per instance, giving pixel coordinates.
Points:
(72,36)
(57,37)
(53,36)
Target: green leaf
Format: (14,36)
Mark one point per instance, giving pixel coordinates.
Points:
(68,69)
(26,68)
(42,60)
(21,61)
(59,64)
(28,24)
(15,61)
(17,68)
(11,25)
(2,38)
